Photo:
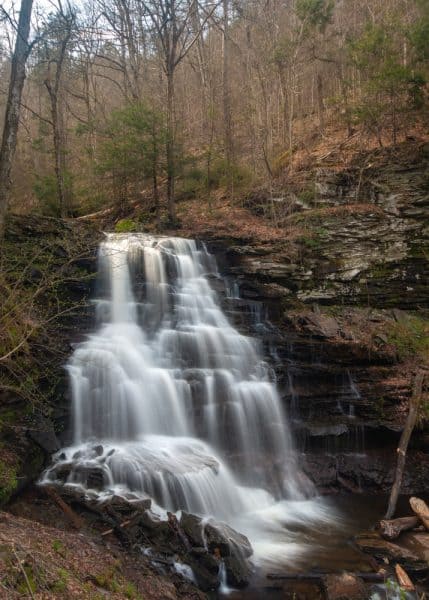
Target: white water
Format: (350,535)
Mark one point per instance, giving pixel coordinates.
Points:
(170,401)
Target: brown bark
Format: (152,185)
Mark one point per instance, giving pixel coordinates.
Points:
(74,519)
(403,442)
(170,146)
(421,509)
(226,89)
(320,105)
(13,106)
(391,529)
(53,85)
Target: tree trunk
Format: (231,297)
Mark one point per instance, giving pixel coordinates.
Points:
(171,159)
(155,176)
(13,106)
(403,442)
(59,155)
(227,119)
(320,106)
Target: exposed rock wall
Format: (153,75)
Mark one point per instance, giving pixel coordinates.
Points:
(343,341)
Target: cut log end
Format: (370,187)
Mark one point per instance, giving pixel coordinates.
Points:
(391,529)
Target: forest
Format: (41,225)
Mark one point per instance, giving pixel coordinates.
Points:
(214,299)
(154,102)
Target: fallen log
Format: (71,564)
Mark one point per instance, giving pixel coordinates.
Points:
(370,577)
(421,509)
(75,520)
(372,543)
(390,529)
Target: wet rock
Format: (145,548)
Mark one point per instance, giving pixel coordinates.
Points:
(125,506)
(227,541)
(345,587)
(208,561)
(45,438)
(238,571)
(193,528)
(152,522)
(93,477)
(207,580)
(98,450)
(62,471)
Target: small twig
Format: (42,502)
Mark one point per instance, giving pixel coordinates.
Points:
(30,591)
(121,525)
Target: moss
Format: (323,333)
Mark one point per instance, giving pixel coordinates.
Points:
(314,238)
(58,547)
(108,580)
(60,584)
(23,583)
(8,481)
(410,336)
(126,226)
(308,194)
(130,591)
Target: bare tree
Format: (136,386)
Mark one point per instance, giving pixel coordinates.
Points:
(172,22)
(60,31)
(13,106)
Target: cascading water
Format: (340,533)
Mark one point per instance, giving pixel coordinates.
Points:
(170,401)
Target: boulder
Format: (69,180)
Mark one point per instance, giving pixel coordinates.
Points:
(345,587)
(207,580)
(93,476)
(238,570)
(45,438)
(127,505)
(226,540)
(208,561)
(193,529)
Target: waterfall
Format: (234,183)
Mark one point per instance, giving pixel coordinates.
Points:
(170,401)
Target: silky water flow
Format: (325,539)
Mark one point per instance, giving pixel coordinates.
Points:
(171,402)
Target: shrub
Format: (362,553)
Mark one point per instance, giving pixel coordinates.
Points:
(126,226)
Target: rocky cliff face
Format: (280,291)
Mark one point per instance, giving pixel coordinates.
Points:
(348,306)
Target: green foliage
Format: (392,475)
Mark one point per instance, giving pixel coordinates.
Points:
(131,148)
(193,183)
(60,584)
(308,194)
(313,240)
(29,582)
(126,226)
(317,13)
(419,32)
(58,547)
(130,591)
(46,191)
(391,86)
(224,175)
(410,336)
(8,481)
